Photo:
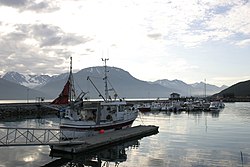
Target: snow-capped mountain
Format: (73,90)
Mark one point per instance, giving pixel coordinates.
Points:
(174,84)
(30,81)
(124,83)
(195,89)
(13,91)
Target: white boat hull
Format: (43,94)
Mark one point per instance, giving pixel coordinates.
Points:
(80,129)
(216,106)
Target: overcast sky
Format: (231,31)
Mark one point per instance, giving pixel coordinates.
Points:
(190,40)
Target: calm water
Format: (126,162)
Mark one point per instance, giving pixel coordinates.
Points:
(184,139)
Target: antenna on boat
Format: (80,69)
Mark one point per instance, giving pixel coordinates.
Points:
(105,78)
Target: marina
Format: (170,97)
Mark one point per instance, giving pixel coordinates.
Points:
(144,105)
(81,126)
(124,83)
(184,139)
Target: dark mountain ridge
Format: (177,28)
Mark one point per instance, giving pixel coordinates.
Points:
(241,89)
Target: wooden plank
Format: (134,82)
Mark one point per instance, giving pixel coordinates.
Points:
(101,140)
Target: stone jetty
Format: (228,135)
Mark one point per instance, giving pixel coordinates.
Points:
(17,110)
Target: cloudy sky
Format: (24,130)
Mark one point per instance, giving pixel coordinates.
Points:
(190,40)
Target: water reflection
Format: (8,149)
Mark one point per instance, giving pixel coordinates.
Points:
(199,138)
(24,156)
(215,114)
(113,155)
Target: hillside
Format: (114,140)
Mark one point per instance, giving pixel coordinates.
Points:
(241,89)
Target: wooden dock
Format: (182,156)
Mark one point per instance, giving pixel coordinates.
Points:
(108,138)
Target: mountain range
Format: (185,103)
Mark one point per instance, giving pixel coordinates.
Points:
(122,81)
(10,90)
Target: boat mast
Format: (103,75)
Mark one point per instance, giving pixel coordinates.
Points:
(71,83)
(205,88)
(106,78)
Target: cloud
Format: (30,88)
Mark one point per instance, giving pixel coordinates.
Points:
(227,19)
(44,6)
(49,35)
(14,3)
(245,42)
(34,49)
(155,35)
(36,6)
(188,23)
(193,23)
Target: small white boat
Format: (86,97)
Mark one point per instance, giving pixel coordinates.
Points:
(174,106)
(156,106)
(144,107)
(216,106)
(82,119)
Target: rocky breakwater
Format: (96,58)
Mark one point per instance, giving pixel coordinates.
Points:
(19,110)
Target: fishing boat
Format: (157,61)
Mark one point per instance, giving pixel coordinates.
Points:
(86,118)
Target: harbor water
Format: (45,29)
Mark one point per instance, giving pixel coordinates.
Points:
(191,139)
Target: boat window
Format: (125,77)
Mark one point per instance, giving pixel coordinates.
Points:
(121,108)
(109,118)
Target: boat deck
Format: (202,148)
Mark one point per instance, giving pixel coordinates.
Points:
(108,138)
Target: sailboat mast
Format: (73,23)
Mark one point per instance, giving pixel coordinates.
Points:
(71,83)
(106,78)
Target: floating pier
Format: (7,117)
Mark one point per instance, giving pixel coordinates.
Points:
(108,138)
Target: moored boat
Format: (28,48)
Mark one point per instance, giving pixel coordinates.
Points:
(144,107)
(216,106)
(82,119)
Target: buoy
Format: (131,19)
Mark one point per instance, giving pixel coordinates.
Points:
(101,131)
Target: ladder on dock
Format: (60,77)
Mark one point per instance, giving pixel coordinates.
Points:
(15,136)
